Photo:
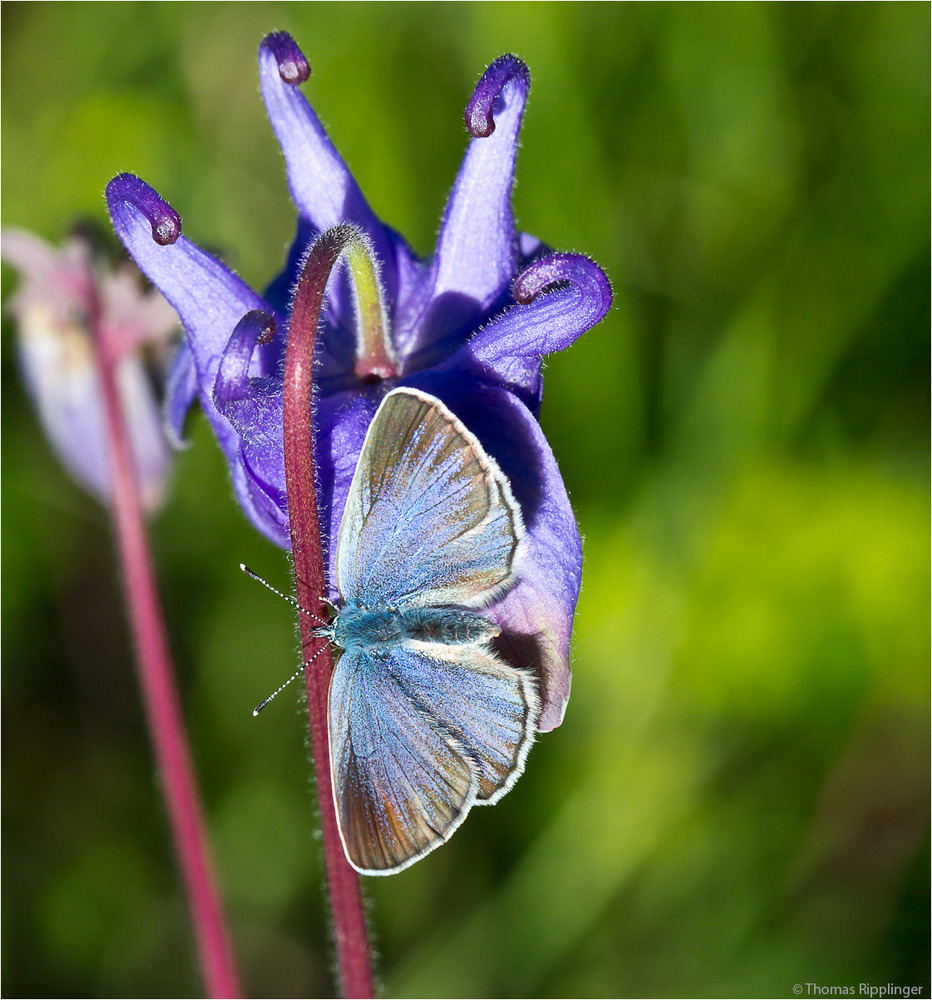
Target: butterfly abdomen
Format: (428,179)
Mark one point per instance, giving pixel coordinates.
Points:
(449,626)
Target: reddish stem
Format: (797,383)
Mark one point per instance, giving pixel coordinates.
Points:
(156,678)
(349,922)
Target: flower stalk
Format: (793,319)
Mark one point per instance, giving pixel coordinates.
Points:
(311,584)
(163,710)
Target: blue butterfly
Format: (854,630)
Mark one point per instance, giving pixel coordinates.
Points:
(425,719)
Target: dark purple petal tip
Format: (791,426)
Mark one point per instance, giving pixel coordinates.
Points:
(506,69)
(574,268)
(293,67)
(165,221)
(232,383)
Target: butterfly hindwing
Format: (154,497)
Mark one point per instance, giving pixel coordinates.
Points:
(488,707)
(430,518)
(400,787)
(418,735)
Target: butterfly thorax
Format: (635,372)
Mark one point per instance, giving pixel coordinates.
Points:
(357,628)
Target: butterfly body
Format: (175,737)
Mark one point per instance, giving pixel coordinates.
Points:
(379,629)
(425,719)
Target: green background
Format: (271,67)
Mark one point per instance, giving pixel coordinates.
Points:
(738,799)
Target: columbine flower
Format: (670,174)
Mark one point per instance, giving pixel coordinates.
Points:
(63,294)
(469,325)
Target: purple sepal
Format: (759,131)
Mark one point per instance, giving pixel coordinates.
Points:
(322,187)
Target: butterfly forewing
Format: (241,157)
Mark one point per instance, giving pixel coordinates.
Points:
(430,519)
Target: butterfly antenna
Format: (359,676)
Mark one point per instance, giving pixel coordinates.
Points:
(284,597)
(294,676)
(328,602)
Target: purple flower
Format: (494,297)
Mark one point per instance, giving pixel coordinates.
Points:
(469,325)
(65,294)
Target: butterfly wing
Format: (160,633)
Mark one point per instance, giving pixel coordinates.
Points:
(400,787)
(430,518)
(485,705)
(417,736)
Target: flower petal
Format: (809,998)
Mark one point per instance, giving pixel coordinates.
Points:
(253,407)
(477,250)
(268,514)
(209,298)
(547,319)
(323,189)
(559,297)
(180,393)
(232,382)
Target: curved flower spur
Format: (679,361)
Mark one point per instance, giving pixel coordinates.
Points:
(469,326)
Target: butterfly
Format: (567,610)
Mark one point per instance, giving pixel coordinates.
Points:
(425,719)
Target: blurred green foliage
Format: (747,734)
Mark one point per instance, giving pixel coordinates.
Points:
(738,798)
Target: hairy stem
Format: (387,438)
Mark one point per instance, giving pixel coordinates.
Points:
(310,581)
